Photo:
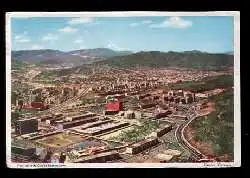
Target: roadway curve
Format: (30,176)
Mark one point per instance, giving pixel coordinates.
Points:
(179,135)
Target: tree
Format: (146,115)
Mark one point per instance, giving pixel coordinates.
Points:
(14,116)
(38,98)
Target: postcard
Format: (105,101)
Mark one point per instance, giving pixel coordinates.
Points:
(123,89)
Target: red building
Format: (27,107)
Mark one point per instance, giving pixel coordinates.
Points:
(38,105)
(114,106)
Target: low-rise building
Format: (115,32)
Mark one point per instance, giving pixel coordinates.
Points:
(25,126)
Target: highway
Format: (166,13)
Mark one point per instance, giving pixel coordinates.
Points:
(179,135)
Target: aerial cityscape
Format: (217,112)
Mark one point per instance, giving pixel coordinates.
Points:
(122,89)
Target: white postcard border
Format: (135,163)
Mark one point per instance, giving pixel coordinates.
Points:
(237,113)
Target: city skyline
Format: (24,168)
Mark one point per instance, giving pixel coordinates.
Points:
(203,33)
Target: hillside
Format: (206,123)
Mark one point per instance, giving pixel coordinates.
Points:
(100,52)
(188,59)
(49,56)
(29,54)
(46,56)
(18,65)
(208,83)
(213,134)
(217,129)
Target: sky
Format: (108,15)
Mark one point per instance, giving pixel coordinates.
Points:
(155,33)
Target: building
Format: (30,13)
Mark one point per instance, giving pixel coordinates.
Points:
(179,93)
(129,114)
(143,96)
(163,114)
(145,106)
(201,95)
(114,106)
(38,105)
(26,126)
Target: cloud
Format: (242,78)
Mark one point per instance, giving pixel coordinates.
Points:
(68,30)
(35,46)
(22,38)
(146,22)
(50,37)
(81,20)
(78,40)
(142,22)
(173,22)
(114,46)
(133,24)
(83,47)
(18,37)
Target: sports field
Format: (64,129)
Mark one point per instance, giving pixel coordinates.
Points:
(61,140)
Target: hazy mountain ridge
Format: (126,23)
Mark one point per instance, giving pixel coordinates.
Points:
(49,56)
(100,52)
(188,59)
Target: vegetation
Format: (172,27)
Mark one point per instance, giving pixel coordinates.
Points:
(217,128)
(138,132)
(19,91)
(48,75)
(102,52)
(44,75)
(33,55)
(209,83)
(18,65)
(195,59)
(14,116)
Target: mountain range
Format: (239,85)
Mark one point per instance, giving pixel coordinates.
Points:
(49,56)
(186,59)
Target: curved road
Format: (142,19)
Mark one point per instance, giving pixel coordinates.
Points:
(179,135)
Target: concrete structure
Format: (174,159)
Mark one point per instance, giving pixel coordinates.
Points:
(138,115)
(110,112)
(164,157)
(173,152)
(145,106)
(142,145)
(35,136)
(98,158)
(104,128)
(78,117)
(75,123)
(163,114)
(129,114)
(162,131)
(25,126)
(114,106)
(201,95)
